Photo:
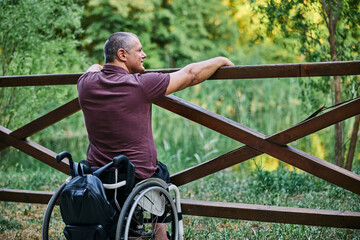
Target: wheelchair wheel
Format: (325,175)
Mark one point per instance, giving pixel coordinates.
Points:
(48,211)
(147,204)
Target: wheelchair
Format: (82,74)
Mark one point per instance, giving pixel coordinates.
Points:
(137,207)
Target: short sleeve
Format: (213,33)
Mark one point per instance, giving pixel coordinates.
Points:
(154,84)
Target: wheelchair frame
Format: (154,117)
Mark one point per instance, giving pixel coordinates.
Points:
(148,192)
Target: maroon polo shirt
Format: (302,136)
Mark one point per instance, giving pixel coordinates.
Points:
(117,111)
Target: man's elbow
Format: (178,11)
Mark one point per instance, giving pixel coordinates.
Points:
(192,78)
(182,79)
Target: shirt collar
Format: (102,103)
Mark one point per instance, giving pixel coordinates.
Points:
(109,68)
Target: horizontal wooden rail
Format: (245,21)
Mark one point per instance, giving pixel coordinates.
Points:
(302,216)
(25,196)
(251,212)
(39,80)
(236,72)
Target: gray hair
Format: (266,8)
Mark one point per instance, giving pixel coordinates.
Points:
(115,42)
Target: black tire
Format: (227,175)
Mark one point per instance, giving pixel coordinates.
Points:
(48,211)
(133,215)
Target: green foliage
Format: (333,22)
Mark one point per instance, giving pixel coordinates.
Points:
(307,22)
(39,36)
(171,34)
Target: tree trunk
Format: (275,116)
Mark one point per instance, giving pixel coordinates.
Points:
(339,127)
(331,19)
(353,141)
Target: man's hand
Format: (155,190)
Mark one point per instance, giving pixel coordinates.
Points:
(227,62)
(94,68)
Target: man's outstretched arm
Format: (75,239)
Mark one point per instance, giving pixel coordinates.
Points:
(195,73)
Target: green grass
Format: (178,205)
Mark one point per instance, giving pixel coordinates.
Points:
(211,228)
(277,188)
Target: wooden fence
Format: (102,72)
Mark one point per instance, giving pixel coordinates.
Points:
(256,144)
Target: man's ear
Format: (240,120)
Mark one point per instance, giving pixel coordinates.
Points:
(121,54)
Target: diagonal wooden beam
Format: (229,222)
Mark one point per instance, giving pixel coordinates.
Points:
(297,158)
(33,149)
(244,153)
(214,165)
(45,121)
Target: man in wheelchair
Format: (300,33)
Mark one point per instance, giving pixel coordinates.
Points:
(135,212)
(116,100)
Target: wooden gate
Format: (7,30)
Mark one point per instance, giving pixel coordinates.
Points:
(256,144)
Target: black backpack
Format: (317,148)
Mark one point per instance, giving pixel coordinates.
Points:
(85,209)
(84,206)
